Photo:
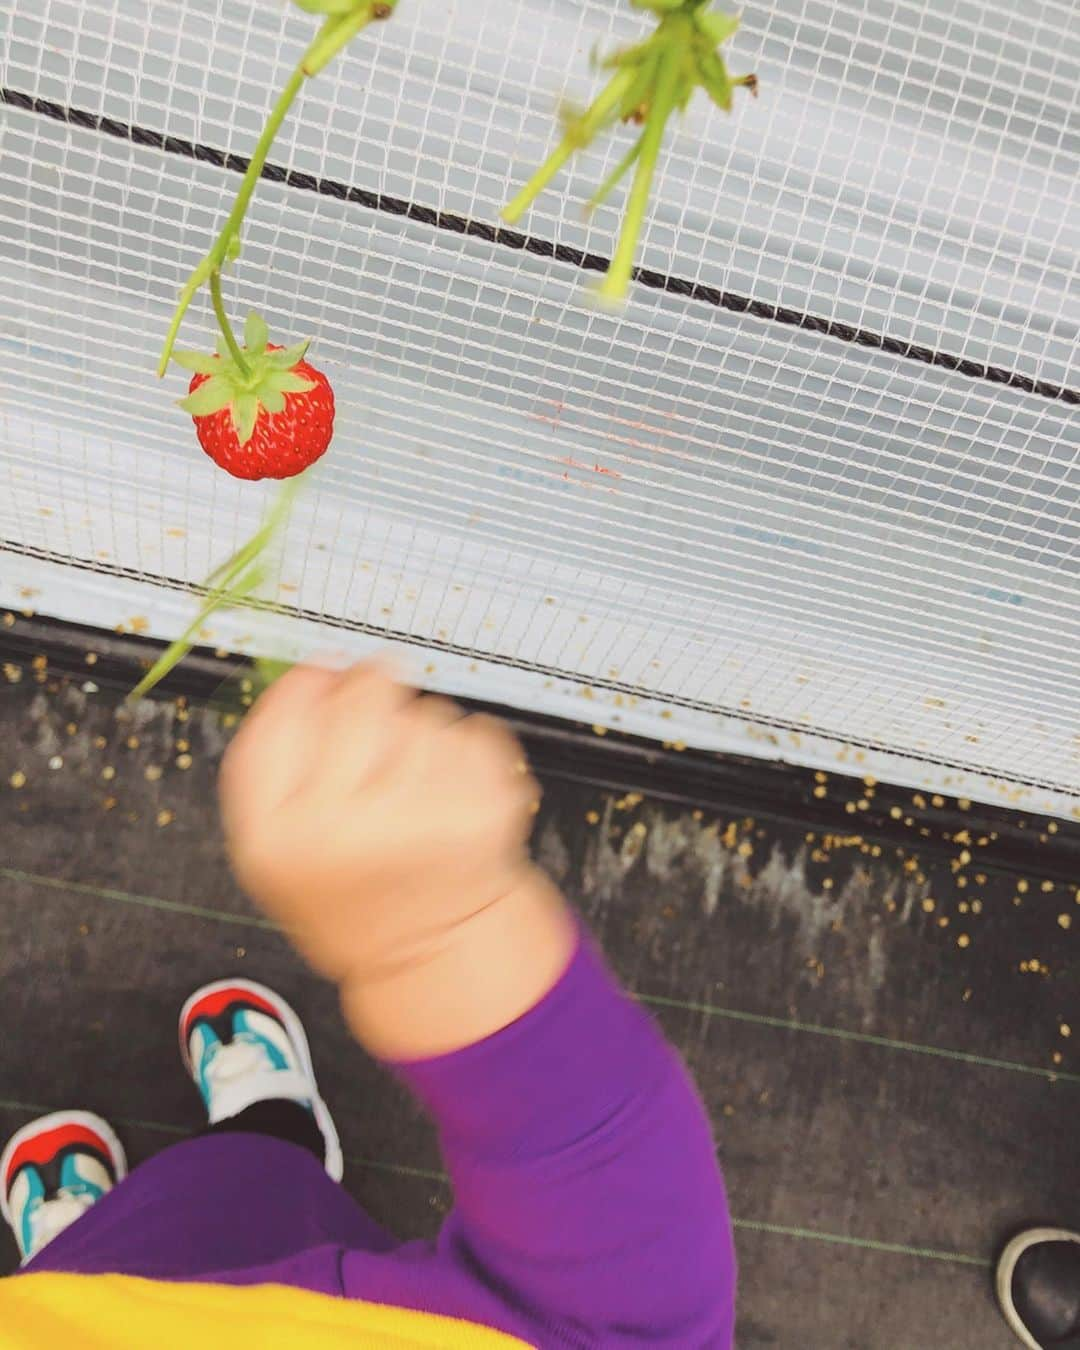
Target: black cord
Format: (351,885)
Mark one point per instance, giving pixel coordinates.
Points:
(544,248)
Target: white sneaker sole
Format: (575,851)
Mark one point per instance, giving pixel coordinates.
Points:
(294,1028)
(53,1121)
(1006,1268)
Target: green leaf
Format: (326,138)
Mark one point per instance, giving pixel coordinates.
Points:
(209,398)
(287,382)
(273,400)
(256,334)
(288,356)
(715,78)
(202,363)
(717,27)
(245,413)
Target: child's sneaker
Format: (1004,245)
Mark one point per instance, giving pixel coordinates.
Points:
(52,1171)
(242,1044)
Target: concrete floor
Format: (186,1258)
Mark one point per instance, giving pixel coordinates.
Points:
(889,1098)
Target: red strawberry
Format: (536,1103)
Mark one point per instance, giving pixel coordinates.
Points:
(271,419)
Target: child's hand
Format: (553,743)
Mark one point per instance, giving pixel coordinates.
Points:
(386,833)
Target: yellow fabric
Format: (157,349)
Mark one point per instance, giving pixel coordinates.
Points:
(120,1312)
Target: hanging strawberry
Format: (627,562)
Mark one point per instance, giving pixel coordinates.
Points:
(262,411)
(651,80)
(259,411)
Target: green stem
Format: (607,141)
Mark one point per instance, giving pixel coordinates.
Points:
(617,279)
(613,177)
(331,37)
(229,584)
(226,327)
(600,111)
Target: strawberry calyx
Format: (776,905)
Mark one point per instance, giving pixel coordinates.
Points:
(244,380)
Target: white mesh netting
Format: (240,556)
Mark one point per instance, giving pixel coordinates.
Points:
(720,514)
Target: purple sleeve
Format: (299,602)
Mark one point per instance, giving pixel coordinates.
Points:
(586,1184)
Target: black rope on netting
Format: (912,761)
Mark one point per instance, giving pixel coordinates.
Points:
(453,223)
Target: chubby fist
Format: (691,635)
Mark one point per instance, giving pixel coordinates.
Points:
(371,823)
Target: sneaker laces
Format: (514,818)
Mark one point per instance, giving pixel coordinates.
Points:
(51,1217)
(245,1054)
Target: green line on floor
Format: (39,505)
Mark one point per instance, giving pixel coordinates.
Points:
(866,1244)
(860,1037)
(131,898)
(653,1000)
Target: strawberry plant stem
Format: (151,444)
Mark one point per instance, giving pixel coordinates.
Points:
(617,278)
(331,37)
(579,133)
(226,327)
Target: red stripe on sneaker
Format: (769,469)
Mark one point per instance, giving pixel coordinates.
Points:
(41,1149)
(213,1005)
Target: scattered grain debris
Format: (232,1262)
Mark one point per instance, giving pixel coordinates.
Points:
(943,922)
(697,815)
(964,803)
(152,772)
(9,620)
(17,779)
(1057,1057)
(598,730)
(678,745)
(730,836)
(1022,886)
(108,803)
(963,940)
(820,777)
(56,762)
(820,790)
(919,800)
(165,817)
(183,761)
(729,1110)
(976,906)
(745,849)
(132,742)
(1046,887)
(1064,920)
(869,781)
(1051,827)
(40,662)
(963,906)
(12,672)
(937,800)
(966,995)
(593,817)
(183,745)
(1065,1029)
(108,773)
(849,807)
(827,884)
(964,858)
(241,952)
(895,812)
(929,904)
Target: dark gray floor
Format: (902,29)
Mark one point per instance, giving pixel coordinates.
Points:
(886,1100)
